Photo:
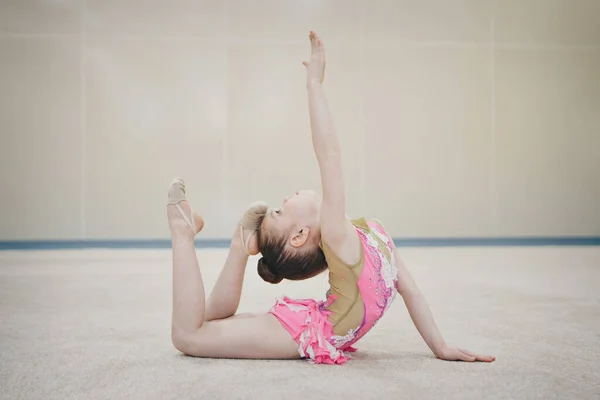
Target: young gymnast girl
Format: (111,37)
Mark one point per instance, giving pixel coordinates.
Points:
(300,239)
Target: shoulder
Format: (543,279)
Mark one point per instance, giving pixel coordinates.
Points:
(336,260)
(345,250)
(370,226)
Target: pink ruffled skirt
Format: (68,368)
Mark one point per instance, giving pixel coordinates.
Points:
(307,322)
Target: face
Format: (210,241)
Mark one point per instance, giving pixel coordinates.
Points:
(297,214)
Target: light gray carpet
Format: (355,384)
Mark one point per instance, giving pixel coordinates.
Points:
(96,324)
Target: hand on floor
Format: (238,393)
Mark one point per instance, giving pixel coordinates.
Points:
(453,354)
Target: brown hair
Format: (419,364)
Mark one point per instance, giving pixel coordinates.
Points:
(278,263)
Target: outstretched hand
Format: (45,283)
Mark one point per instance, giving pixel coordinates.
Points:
(315,68)
(453,354)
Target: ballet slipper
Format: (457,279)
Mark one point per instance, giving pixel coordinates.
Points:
(175,197)
(250,223)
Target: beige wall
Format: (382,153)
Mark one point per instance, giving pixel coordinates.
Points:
(457,117)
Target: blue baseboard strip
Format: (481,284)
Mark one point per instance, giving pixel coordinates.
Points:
(105,244)
(224,243)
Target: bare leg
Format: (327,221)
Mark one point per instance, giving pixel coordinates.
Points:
(253,337)
(188,288)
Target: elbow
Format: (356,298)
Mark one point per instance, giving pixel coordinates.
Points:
(407,289)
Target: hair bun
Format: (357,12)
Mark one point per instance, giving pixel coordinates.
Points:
(265,272)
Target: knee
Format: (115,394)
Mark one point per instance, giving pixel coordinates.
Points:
(181,341)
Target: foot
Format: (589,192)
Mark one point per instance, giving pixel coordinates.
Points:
(246,240)
(182,220)
(249,224)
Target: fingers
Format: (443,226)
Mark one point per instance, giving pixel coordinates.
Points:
(454,354)
(320,46)
(465,357)
(316,45)
(321,50)
(478,357)
(313,42)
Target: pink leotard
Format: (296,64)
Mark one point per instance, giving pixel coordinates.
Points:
(358,297)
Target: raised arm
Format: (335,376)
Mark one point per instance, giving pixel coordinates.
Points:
(423,319)
(335,227)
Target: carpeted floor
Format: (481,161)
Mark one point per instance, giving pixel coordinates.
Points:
(96,325)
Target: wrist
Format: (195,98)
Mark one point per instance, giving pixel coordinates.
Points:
(439,349)
(313,84)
